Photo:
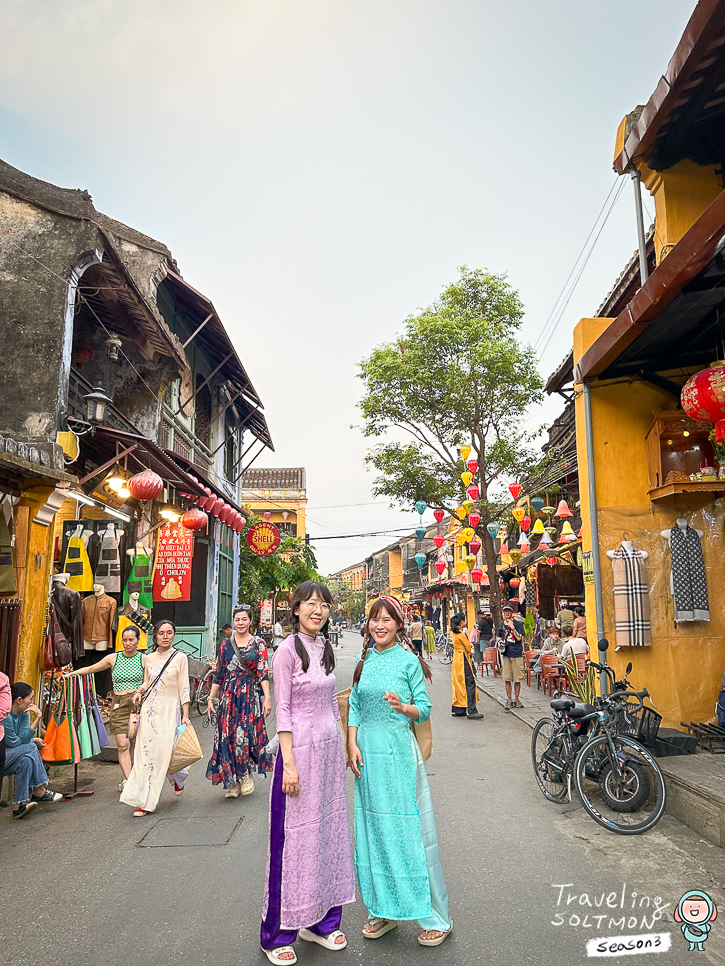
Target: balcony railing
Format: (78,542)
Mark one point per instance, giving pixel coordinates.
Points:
(180,441)
(78,387)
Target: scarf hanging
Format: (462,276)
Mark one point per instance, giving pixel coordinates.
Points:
(631,599)
(689,580)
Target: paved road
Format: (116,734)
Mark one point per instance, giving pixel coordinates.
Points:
(84,883)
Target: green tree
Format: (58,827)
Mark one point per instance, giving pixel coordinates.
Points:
(458,375)
(263,577)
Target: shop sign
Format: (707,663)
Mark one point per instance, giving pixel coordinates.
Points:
(172,572)
(263,538)
(265,616)
(588,566)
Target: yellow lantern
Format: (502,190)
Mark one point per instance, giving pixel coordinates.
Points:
(461,567)
(460,538)
(471,561)
(501,535)
(469,533)
(566,530)
(518,513)
(465,453)
(460,512)
(515,555)
(467,478)
(468,505)
(538,527)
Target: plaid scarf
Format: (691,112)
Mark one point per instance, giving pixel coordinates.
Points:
(631,599)
(689,580)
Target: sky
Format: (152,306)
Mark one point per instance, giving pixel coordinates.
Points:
(320,169)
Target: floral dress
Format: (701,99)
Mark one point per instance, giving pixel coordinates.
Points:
(241,736)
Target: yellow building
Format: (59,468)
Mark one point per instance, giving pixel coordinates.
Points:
(637,449)
(280,492)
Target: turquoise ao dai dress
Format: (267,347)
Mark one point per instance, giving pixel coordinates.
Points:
(397,864)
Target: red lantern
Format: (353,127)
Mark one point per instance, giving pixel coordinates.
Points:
(439,539)
(242,524)
(226,513)
(476,575)
(563,510)
(515,582)
(515,490)
(145,485)
(267,515)
(475,545)
(215,508)
(440,566)
(525,523)
(439,514)
(473,491)
(194,520)
(551,561)
(472,466)
(474,518)
(703,398)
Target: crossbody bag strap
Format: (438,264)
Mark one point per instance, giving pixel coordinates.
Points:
(156,680)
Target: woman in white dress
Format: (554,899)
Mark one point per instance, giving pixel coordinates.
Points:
(164,701)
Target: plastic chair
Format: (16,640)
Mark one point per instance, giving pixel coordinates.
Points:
(529,658)
(549,673)
(490,660)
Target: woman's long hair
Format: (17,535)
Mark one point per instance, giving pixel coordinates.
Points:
(457,621)
(305,591)
(391,607)
(157,627)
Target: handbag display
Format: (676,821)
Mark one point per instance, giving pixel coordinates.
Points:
(84,734)
(96,711)
(187,749)
(58,749)
(56,652)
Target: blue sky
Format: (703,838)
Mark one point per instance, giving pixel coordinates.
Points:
(319,169)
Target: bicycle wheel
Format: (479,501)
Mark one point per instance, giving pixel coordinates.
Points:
(202,694)
(551,762)
(626,796)
(445,654)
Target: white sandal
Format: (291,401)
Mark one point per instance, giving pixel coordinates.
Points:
(388,925)
(438,940)
(327,941)
(273,955)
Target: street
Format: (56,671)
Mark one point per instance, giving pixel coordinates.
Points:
(85,883)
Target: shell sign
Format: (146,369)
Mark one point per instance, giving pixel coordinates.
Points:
(263,538)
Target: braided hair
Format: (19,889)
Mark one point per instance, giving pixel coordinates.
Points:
(391,606)
(305,591)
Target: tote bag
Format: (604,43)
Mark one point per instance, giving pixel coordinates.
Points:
(58,748)
(96,711)
(423,732)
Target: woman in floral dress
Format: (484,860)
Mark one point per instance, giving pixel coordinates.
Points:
(241,736)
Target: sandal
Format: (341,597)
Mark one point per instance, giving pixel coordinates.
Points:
(327,941)
(273,955)
(438,940)
(140,812)
(385,926)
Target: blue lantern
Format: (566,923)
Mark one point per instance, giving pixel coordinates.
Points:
(420,532)
(420,559)
(421,506)
(537,503)
(492,529)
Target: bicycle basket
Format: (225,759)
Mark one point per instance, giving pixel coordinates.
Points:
(198,669)
(642,724)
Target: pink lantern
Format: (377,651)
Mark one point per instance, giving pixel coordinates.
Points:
(216,507)
(267,515)
(440,566)
(515,490)
(476,575)
(439,514)
(439,539)
(242,522)
(473,491)
(194,520)
(226,513)
(524,547)
(526,523)
(563,510)
(474,518)
(475,545)
(145,485)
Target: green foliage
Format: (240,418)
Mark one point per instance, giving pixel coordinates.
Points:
(529,627)
(584,689)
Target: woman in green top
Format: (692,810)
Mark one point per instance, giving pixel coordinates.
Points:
(127,670)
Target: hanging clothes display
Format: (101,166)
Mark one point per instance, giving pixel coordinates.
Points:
(126,616)
(99,611)
(632,626)
(77,563)
(7,570)
(68,608)
(140,580)
(108,568)
(689,580)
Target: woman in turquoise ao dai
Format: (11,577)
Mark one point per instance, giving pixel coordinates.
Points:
(396,845)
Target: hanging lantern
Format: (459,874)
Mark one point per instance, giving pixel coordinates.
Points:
(515,582)
(524,547)
(473,491)
(703,397)
(469,533)
(501,533)
(465,452)
(563,510)
(550,530)
(518,513)
(267,515)
(460,512)
(492,529)
(439,514)
(515,490)
(195,520)
(523,540)
(525,523)
(421,506)
(461,567)
(538,527)
(225,514)
(460,538)
(145,485)
(467,478)
(216,507)
(579,533)
(515,555)
(474,518)
(548,510)
(476,575)
(440,566)
(472,466)
(468,505)
(285,514)
(551,561)
(242,523)
(471,561)
(474,544)
(545,541)
(504,549)
(537,503)
(439,540)
(420,559)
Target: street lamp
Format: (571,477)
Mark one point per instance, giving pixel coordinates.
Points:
(96,402)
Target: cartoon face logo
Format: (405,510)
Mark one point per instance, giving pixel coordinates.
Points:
(695,911)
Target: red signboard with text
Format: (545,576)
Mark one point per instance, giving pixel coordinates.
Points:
(263,538)
(174,553)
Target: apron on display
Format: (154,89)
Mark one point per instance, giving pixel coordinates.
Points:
(123,623)
(78,565)
(140,580)
(108,569)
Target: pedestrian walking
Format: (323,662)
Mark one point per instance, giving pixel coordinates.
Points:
(240,738)
(511,645)
(416,634)
(397,863)
(22,756)
(127,675)
(309,857)
(430,638)
(162,700)
(463,675)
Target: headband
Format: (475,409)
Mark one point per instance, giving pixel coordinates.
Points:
(393,602)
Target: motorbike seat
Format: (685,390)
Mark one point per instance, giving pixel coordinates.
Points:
(580,710)
(561,704)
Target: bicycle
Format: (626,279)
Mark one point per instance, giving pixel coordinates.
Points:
(444,648)
(618,782)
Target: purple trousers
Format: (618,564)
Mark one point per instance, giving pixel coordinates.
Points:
(271,935)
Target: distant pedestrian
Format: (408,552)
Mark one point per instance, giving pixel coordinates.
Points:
(430,638)
(463,677)
(279,634)
(416,634)
(565,617)
(579,628)
(511,638)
